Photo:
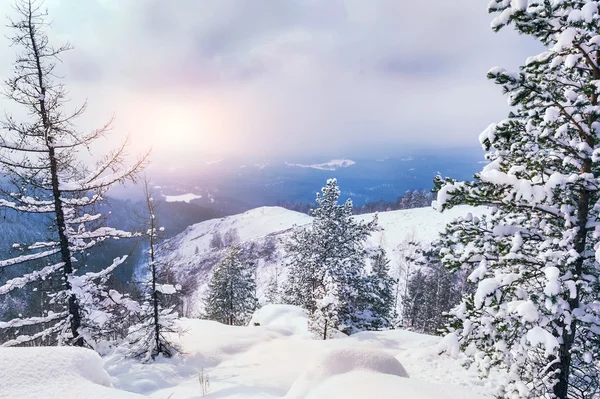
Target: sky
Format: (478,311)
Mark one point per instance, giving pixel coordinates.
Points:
(201,80)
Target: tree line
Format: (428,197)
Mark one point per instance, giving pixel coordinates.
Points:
(409,200)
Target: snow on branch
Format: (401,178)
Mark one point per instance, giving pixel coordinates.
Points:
(26,258)
(14,323)
(21,339)
(26,208)
(20,282)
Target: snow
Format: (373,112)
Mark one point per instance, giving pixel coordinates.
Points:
(269,361)
(538,336)
(485,288)
(343,361)
(182,198)
(589,11)
(360,385)
(528,311)
(334,164)
(553,284)
(287,317)
(168,289)
(519,4)
(277,359)
(49,372)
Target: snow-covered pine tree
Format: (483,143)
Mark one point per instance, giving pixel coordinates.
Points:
(149,338)
(327,266)
(378,293)
(40,157)
(304,274)
(231,297)
(216,241)
(535,311)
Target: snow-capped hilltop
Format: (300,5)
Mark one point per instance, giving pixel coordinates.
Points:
(253,224)
(334,164)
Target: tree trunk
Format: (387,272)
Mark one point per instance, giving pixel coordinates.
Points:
(65,252)
(154,292)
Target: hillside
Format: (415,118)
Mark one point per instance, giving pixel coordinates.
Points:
(193,259)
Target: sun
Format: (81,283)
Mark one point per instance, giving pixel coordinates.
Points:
(177,128)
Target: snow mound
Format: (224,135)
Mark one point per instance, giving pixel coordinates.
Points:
(360,385)
(345,361)
(292,318)
(55,372)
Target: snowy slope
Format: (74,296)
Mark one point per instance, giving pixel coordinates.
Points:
(279,360)
(192,257)
(250,225)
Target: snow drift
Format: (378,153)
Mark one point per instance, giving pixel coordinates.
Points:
(342,361)
(49,372)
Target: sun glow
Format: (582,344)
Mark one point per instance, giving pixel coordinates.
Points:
(186,128)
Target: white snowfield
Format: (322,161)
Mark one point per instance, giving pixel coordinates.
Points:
(276,359)
(279,359)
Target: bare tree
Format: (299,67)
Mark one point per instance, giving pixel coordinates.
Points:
(42,157)
(149,337)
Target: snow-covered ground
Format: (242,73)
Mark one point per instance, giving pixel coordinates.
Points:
(277,359)
(49,372)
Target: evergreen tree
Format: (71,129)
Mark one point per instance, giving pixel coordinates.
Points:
(149,338)
(379,307)
(231,297)
(216,241)
(327,266)
(535,309)
(305,274)
(40,157)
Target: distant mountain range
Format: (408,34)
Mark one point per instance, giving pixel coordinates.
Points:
(229,187)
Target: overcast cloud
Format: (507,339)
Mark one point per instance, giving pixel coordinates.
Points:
(294,77)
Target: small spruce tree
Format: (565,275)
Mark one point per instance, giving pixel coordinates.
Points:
(379,307)
(231,297)
(327,266)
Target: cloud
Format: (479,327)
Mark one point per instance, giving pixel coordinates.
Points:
(232,77)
